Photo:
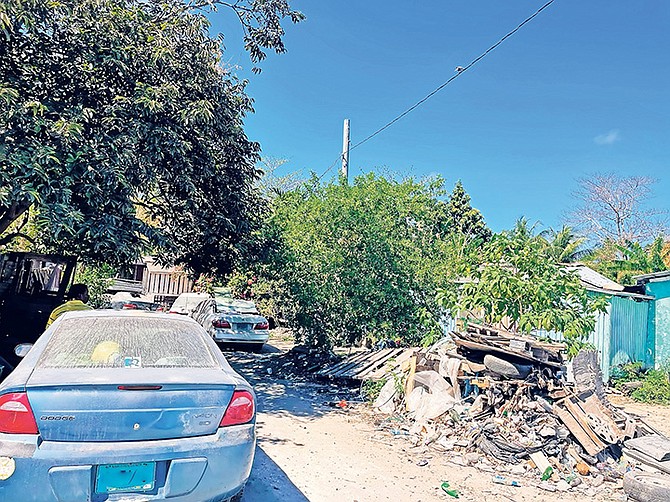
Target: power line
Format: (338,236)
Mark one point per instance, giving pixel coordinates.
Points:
(460,71)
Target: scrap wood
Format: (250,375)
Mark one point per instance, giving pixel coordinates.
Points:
(553,347)
(583,421)
(361,363)
(409,384)
(374,361)
(345,363)
(647,460)
(501,350)
(390,364)
(595,408)
(656,447)
(590,446)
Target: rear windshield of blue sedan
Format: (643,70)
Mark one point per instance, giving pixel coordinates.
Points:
(126,342)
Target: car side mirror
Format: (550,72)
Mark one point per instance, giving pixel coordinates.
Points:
(22,349)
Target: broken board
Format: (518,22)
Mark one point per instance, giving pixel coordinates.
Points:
(656,447)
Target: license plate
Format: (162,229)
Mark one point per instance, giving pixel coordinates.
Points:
(136,477)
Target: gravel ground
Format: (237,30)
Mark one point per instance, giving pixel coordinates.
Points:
(309,449)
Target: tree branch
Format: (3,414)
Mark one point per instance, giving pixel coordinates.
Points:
(14,235)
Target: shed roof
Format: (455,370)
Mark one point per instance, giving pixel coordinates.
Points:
(592,279)
(652,277)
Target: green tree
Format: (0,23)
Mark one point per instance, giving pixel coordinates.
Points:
(517,281)
(120,130)
(463,218)
(622,262)
(98,278)
(354,261)
(564,246)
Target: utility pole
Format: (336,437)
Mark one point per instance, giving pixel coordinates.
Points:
(345,151)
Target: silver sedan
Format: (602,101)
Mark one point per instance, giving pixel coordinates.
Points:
(233,321)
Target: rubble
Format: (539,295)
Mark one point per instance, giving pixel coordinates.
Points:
(499,400)
(299,363)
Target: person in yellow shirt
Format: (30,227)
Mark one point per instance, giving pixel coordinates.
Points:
(77,298)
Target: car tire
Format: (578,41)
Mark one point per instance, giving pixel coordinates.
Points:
(237,497)
(643,487)
(506,368)
(257,348)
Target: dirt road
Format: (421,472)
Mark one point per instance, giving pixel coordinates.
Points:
(309,450)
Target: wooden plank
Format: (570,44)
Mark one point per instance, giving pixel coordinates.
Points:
(395,353)
(354,362)
(402,364)
(582,419)
(493,349)
(409,384)
(576,430)
(374,360)
(336,373)
(341,364)
(645,459)
(656,447)
(594,407)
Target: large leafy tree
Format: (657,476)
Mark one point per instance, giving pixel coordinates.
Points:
(355,261)
(121,131)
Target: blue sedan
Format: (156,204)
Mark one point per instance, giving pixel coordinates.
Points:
(125,405)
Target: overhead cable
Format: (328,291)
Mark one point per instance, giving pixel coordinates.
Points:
(459,71)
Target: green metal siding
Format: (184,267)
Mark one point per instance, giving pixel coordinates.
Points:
(620,334)
(659,321)
(600,338)
(628,330)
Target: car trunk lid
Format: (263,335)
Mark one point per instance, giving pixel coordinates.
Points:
(136,404)
(243,322)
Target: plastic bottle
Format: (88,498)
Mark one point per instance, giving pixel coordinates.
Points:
(502,480)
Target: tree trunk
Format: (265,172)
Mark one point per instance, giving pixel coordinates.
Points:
(11,214)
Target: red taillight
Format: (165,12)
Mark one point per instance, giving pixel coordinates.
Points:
(240,410)
(221,323)
(140,387)
(130,306)
(262,325)
(16,416)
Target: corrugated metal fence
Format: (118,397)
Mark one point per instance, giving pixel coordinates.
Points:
(620,335)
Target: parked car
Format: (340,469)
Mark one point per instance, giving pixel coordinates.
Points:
(132,405)
(31,286)
(131,301)
(187,302)
(233,321)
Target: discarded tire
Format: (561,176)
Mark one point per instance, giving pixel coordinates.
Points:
(505,368)
(643,487)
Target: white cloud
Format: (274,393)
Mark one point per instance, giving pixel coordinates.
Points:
(609,138)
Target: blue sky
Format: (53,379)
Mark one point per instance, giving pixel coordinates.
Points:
(583,88)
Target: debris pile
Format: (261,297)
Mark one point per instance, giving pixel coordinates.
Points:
(300,362)
(497,399)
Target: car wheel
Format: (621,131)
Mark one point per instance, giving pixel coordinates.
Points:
(256,347)
(237,497)
(643,487)
(506,368)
